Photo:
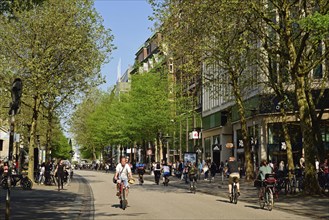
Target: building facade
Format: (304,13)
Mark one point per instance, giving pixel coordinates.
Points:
(221,121)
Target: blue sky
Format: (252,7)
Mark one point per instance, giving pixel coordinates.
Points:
(128,20)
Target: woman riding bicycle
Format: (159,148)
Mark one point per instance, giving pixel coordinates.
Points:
(233,169)
(263,170)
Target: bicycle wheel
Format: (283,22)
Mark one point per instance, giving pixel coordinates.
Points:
(4,182)
(269,199)
(261,202)
(26,183)
(235,195)
(123,199)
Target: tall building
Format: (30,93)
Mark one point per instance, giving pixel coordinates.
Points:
(221,121)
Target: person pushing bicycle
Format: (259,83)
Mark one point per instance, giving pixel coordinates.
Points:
(233,169)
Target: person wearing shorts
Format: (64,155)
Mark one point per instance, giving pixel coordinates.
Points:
(233,169)
(122,173)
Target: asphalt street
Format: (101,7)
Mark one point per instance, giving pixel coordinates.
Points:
(91,195)
(150,201)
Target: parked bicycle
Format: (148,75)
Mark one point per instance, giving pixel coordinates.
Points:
(282,183)
(267,190)
(234,193)
(23,180)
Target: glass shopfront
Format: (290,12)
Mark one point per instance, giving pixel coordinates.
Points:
(276,147)
(207,145)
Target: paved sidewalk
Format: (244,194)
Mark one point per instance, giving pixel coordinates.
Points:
(46,202)
(312,206)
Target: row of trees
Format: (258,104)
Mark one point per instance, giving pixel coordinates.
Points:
(280,41)
(127,119)
(56,48)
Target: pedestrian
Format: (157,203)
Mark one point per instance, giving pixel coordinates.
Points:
(107,168)
(302,162)
(59,173)
(42,174)
(47,173)
(5,169)
(281,169)
(213,170)
(205,170)
(271,165)
(185,172)
(317,165)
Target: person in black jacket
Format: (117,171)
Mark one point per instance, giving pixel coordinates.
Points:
(59,172)
(213,170)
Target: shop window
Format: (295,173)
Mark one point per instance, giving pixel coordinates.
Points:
(207,145)
(239,139)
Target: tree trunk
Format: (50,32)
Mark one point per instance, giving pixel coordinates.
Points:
(94,153)
(320,149)
(311,183)
(290,159)
(32,143)
(160,150)
(49,135)
(244,129)
(156,151)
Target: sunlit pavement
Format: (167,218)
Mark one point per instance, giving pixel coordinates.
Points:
(150,201)
(91,195)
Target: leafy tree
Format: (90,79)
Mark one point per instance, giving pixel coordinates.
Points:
(60,145)
(209,32)
(57,49)
(293,31)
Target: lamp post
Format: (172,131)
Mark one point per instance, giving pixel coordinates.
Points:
(16,94)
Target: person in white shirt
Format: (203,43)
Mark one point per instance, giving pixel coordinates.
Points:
(166,172)
(41,174)
(122,173)
(317,165)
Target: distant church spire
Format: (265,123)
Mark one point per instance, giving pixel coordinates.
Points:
(119,71)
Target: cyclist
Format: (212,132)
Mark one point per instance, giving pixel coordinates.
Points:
(263,170)
(141,171)
(192,173)
(122,173)
(166,173)
(157,172)
(233,169)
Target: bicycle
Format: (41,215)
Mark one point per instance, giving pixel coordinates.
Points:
(166,180)
(140,179)
(122,195)
(268,186)
(234,193)
(24,181)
